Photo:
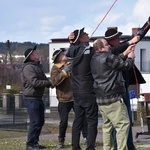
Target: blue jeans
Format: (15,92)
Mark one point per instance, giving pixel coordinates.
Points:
(85,105)
(130,144)
(35,109)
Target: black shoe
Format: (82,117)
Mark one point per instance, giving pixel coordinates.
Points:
(40,146)
(32,148)
(60,145)
(60,142)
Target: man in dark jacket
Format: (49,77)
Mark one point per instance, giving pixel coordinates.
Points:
(110,89)
(34,82)
(113,38)
(61,80)
(83,91)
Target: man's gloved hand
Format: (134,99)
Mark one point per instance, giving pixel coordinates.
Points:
(140,32)
(68,67)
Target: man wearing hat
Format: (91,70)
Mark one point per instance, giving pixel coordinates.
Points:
(83,90)
(113,38)
(109,88)
(60,78)
(34,83)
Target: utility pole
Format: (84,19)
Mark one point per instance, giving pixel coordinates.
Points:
(9,51)
(9,59)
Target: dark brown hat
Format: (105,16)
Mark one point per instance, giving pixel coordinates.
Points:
(77,35)
(112,33)
(28,52)
(56,54)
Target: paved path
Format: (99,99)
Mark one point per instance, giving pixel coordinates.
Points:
(135,129)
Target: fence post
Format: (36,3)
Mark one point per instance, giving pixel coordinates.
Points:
(6,102)
(18,101)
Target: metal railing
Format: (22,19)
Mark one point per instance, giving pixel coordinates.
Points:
(10,117)
(13,116)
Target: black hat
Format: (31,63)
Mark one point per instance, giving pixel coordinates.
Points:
(77,35)
(56,54)
(28,52)
(112,33)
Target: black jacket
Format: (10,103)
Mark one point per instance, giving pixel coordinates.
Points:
(82,80)
(107,73)
(132,74)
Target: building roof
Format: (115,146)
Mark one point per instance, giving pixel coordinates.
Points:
(123,37)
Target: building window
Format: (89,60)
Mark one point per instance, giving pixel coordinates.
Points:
(143,64)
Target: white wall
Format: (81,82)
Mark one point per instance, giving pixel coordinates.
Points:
(142,45)
(145,88)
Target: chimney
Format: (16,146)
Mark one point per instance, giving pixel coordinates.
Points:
(135,30)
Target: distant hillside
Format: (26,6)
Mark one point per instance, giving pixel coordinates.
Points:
(19,48)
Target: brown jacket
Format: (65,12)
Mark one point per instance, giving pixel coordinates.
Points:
(62,82)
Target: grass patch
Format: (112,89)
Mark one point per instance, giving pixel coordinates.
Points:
(12,144)
(11,134)
(18,144)
(16,140)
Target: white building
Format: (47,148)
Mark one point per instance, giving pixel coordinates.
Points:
(142,61)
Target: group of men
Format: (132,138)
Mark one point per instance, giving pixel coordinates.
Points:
(86,79)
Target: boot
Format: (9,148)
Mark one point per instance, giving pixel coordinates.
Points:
(60,142)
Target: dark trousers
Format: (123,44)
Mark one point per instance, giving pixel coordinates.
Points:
(84,129)
(130,136)
(130,144)
(64,109)
(85,105)
(35,108)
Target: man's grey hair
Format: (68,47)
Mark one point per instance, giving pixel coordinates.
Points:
(98,43)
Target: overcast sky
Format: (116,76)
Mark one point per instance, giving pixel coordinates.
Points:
(41,20)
